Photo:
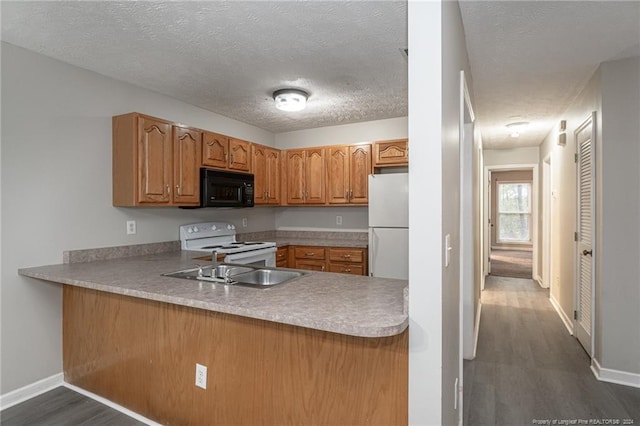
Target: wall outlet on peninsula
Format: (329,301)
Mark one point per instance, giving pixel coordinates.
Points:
(201,376)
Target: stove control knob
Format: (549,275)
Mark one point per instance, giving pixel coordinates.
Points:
(233,227)
(190,230)
(229,227)
(195,229)
(213,227)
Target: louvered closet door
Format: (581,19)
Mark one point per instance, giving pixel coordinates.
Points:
(585,243)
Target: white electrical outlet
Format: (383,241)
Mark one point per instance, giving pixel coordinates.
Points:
(244,222)
(131,227)
(338,220)
(201,376)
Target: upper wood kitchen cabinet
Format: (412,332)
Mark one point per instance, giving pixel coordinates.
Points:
(222,152)
(149,158)
(348,168)
(215,150)
(266,171)
(391,153)
(186,165)
(306,175)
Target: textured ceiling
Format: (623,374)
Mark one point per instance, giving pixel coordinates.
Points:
(228,57)
(529,59)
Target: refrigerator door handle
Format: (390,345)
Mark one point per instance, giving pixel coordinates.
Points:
(372,252)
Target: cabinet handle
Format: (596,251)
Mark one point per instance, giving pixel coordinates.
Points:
(168,189)
(346,270)
(178,190)
(346,256)
(322,268)
(231,159)
(310,254)
(350,195)
(346,195)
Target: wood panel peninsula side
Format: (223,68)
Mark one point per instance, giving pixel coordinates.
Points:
(325,349)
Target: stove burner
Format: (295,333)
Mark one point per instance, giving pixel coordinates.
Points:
(211,247)
(251,243)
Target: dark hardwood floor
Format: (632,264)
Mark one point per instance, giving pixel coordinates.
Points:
(64,407)
(528,368)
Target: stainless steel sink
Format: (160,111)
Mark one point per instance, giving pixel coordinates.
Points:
(239,274)
(222,271)
(267,277)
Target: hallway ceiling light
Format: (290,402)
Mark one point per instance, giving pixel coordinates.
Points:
(290,99)
(517,128)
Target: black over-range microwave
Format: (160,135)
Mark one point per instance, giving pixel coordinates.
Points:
(225,189)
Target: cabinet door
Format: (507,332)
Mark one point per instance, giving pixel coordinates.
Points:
(154,161)
(359,170)
(295,160)
(273,175)
(215,150)
(391,153)
(260,174)
(314,176)
(282,257)
(239,155)
(186,166)
(338,175)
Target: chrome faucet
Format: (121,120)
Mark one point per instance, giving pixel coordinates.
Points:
(214,262)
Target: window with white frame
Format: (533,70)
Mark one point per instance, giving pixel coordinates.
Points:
(514,212)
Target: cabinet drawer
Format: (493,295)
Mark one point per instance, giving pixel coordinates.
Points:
(347,268)
(311,265)
(345,255)
(309,252)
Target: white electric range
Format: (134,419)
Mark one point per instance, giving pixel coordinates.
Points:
(209,236)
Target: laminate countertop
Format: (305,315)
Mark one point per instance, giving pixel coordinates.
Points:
(339,303)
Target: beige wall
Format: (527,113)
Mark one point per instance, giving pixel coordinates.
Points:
(613,93)
(56,192)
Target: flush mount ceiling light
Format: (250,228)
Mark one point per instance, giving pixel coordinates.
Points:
(290,99)
(517,128)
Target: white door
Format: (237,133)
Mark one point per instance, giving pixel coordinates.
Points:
(490,225)
(585,140)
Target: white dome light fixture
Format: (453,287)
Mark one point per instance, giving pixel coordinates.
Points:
(290,99)
(517,128)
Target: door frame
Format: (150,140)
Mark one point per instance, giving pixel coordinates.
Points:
(547,218)
(591,119)
(534,212)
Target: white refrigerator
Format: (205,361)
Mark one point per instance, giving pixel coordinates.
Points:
(389,225)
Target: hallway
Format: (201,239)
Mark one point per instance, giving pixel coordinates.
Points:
(528,368)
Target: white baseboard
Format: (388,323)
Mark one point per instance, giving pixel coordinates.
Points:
(477,329)
(111,404)
(563,316)
(30,391)
(614,376)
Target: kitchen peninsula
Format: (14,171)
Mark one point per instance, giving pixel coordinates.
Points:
(322,349)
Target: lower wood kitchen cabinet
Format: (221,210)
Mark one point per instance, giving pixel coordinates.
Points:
(345,260)
(282,257)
